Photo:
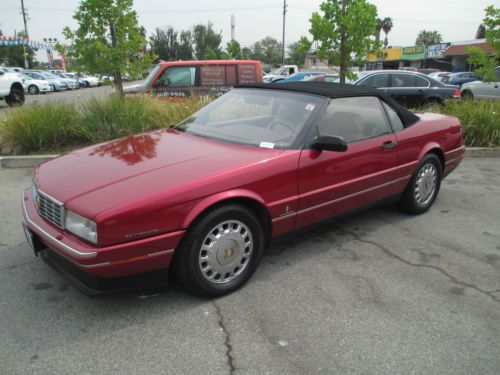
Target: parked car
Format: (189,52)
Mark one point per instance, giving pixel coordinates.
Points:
(482,90)
(281,73)
(438,76)
(205,198)
(57,84)
(460,78)
(88,81)
(324,78)
(11,89)
(182,78)
(300,76)
(34,86)
(70,75)
(71,83)
(428,71)
(408,88)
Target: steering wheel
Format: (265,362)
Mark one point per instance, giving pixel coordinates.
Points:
(282,123)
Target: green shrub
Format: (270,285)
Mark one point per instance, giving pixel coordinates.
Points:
(480,120)
(40,128)
(55,127)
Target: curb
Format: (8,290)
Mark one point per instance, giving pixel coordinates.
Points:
(482,152)
(28,161)
(31,161)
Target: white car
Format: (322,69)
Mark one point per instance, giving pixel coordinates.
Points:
(11,88)
(439,75)
(482,90)
(91,81)
(34,86)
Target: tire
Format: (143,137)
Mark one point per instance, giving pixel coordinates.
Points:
(467,95)
(423,188)
(33,90)
(220,252)
(15,98)
(87,84)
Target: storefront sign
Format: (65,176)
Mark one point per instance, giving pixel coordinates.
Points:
(436,51)
(413,53)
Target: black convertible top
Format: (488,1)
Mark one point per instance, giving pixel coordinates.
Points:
(337,90)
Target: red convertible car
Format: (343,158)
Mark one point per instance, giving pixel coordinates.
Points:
(205,198)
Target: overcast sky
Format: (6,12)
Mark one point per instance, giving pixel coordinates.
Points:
(456,20)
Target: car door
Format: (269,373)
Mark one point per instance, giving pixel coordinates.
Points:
(410,88)
(331,183)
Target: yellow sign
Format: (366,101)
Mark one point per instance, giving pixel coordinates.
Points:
(389,54)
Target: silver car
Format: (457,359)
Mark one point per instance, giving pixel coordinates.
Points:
(482,90)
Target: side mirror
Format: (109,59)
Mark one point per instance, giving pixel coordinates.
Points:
(329,143)
(2,72)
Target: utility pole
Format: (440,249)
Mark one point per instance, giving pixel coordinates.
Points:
(25,16)
(283,46)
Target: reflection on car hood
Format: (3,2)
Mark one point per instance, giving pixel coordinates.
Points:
(117,172)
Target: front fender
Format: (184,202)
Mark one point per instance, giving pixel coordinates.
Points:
(218,198)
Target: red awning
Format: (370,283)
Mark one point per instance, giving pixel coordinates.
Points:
(459,50)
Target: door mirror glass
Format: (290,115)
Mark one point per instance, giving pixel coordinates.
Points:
(329,143)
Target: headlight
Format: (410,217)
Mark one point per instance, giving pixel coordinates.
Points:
(81,226)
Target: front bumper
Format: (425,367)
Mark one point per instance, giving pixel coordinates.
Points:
(113,261)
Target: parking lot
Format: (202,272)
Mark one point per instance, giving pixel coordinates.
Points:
(377,293)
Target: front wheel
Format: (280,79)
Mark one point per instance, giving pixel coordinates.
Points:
(220,251)
(423,187)
(33,90)
(15,98)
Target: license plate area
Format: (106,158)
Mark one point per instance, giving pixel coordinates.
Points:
(32,241)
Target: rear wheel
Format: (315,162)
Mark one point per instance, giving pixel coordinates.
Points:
(33,90)
(466,94)
(423,187)
(15,98)
(220,251)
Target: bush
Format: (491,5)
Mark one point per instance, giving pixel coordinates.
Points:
(57,127)
(480,120)
(40,128)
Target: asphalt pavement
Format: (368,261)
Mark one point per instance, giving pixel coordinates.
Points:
(378,293)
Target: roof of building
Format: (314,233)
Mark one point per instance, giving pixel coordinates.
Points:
(336,90)
(459,50)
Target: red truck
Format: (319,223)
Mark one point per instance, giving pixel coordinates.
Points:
(183,78)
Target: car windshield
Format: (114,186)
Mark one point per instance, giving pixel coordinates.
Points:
(24,76)
(48,75)
(358,75)
(263,118)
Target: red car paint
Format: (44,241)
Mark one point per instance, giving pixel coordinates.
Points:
(145,191)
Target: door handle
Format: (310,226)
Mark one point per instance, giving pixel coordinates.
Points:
(388,145)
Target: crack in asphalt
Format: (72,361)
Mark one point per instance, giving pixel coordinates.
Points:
(430,266)
(227,340)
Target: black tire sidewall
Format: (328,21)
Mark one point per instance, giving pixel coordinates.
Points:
(10,99)
(187,268)
(35,91)
(408,201)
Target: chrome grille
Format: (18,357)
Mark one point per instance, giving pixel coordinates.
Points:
(48,208)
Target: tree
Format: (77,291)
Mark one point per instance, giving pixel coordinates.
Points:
(481,32)
(345,32)
(485,63)
(247,53)
(233,50)
(185,49)
(267,50)
(205,38)
(378,29)
(427,38)
(387,27)
(108,40)
(297,53)
(164,44)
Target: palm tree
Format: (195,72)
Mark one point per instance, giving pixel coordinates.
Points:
(380,24)
(387,27)
(427,38)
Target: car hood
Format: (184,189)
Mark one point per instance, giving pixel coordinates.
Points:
(99,177)
(137,87)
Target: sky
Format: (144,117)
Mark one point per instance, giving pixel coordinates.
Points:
(456,20)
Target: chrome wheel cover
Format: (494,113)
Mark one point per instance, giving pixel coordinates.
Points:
(225,251)
(425,184)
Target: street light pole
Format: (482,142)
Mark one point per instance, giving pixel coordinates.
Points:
(25,14)
(283,46)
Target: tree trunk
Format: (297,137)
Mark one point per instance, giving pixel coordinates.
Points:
(117,74)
